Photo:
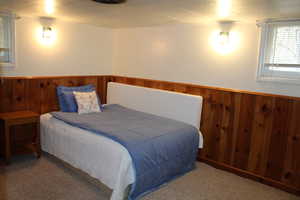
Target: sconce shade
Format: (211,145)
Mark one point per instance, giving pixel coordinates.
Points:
(224,37)
(47,32)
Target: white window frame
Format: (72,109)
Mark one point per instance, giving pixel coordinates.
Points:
(12,37)
(264,40)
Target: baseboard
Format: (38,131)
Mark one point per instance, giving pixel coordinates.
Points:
(247,174)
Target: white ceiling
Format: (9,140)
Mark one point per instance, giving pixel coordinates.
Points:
(135,13)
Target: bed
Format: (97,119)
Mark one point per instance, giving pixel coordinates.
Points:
(103,158)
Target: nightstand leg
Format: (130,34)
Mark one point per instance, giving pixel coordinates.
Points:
(7,143)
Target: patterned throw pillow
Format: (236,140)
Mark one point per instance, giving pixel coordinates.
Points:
(87,102)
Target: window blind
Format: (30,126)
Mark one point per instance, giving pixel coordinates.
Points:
(280,51)
(283,49)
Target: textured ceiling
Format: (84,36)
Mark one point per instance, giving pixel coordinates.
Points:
(135,13)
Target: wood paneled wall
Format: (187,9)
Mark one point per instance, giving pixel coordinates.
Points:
(39,93)
(253,134)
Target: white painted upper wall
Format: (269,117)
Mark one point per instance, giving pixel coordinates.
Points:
(183,53)
(78,50)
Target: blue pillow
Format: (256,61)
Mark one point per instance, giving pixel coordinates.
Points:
(67,102)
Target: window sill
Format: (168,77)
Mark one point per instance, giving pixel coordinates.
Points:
(279,80)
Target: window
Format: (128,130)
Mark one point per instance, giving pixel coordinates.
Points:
(7,37)
(280,52)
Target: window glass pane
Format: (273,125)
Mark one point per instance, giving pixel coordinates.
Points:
(280,52)
(285,48)
(5,39)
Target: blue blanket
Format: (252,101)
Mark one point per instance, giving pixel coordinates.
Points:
(161,148)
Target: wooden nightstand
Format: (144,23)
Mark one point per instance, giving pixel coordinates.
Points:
(8,120)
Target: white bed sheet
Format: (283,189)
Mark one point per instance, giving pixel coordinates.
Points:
(99,156)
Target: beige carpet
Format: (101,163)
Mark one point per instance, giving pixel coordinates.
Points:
(49,179)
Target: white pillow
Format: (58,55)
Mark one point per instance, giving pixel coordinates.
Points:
(87,102)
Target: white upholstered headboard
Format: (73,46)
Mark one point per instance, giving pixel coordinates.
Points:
(182,107)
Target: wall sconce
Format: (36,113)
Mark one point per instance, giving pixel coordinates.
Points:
(224,38)
(47,32)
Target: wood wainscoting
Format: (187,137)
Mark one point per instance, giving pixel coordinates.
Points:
(39,93)
(255,135)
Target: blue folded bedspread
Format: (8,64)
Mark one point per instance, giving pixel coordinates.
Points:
(161,148)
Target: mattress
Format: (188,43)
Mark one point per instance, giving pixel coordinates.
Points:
(99,156)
